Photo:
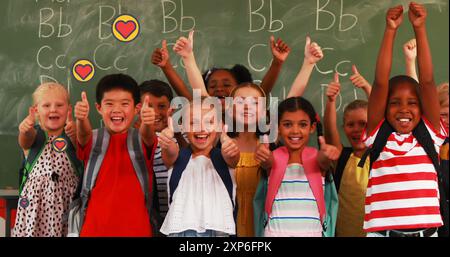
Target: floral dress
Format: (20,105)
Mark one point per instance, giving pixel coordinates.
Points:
(46,195)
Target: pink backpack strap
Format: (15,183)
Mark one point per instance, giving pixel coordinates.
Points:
(312,172)
(314,175)
(281,157)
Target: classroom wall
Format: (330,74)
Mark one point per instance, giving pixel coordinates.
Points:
(42,39)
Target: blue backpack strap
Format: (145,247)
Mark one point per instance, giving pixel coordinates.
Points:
(178,167)
(222,169)
(341,163)
(100,143)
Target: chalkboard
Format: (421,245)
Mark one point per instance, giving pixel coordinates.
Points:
(42,39)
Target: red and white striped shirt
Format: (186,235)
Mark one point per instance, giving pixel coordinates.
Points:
(403,191)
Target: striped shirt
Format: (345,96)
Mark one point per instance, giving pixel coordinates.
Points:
(402,192)
(161,181)
(294,210)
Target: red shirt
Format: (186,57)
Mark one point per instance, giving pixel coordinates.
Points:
(117,204)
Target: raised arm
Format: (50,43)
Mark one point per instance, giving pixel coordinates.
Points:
(184,48)
(27,133)
(427,90)
(280,51)
(360,82)
(313,54)
(330,120)
(70,128)
(169,149)
(147,129)
(410,52)
(327,154)
(230,150)
(84,129)
(161,58)
(380,89)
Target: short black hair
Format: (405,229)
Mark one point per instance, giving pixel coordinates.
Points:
(117,81)
(400,79)
(156,88)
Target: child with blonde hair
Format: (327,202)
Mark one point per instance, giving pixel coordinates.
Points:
(51,169)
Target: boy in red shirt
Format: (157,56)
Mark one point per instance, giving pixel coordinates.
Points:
(117,203)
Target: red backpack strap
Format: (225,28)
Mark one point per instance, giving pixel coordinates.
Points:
(281,155)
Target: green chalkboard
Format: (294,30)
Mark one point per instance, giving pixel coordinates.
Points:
(42,39)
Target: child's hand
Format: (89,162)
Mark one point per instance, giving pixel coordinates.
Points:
(280,50)
(417,14)
(160,56)
(82,108)
(394,17)
(70,127)
(184,46)
(263,154)
(330,152)
(313,52)
(147,113)
(333,88)
(166,139)
(229,146)
(410,49)
(357,79)
(27,125)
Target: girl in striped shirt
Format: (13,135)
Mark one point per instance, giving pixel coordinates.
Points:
(402,196)
(295,198)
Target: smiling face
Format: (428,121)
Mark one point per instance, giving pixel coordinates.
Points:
(117,110)
(294,128)
(403,108)
(354,124)
(246,109)
(161,106)
(52,111)
(202,129)
(220,84)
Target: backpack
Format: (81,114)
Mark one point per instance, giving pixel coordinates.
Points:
(36,151)
(422,135)
(341,163)
(219,164)
(100,143)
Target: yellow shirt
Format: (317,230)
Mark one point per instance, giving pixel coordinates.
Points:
(352,196)
(247,178)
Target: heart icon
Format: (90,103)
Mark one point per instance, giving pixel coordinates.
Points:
(125,28)
(83,70)
(59,144)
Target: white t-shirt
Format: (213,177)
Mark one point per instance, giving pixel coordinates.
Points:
(201,201)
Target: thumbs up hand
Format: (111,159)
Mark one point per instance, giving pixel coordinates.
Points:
(166,139)
(333,89)
(280,50)
(160,56)
(328,152)
(184,46)
(263,155)
(230,149)
(313,52)
(82,108)
(357,79)
(70,127)
(27,125)
(147,113)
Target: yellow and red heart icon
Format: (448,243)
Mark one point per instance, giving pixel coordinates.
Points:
(59,144)
(125,28)
(83,70)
